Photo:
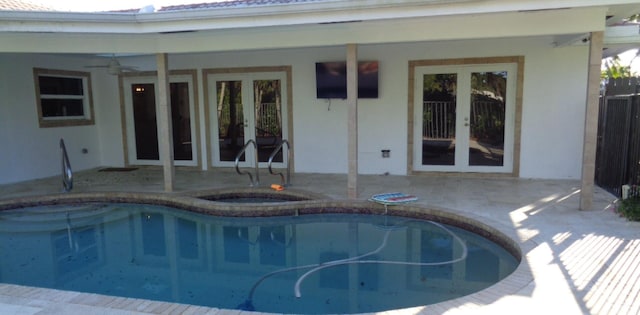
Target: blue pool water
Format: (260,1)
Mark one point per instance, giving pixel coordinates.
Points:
(313,264)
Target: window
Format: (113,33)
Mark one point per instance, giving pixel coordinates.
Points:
(63,98)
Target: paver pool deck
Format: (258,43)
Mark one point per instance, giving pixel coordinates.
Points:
(574,262)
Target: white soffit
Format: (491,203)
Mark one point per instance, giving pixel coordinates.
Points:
(328,11)
(622,34)
(620,38)
(478,26)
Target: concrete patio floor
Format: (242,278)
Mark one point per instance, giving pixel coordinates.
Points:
(574,262)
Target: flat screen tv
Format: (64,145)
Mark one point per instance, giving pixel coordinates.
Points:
(331,79)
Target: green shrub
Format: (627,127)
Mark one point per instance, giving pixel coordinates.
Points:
(630,208)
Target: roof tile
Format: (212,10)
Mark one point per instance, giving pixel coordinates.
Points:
(232,4)
(20,5)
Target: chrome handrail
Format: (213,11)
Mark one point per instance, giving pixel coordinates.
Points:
(273,154)
(67,173)
(257,182)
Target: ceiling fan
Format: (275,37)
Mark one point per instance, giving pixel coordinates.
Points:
(114,67)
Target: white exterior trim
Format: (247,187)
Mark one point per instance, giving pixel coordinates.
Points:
(276,15)
(513,24)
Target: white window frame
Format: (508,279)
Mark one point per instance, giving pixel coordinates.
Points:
(152,78)
(463,73)
(87,99)
(247,79)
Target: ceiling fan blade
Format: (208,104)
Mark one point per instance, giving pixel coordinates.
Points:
(113,70)
(128,68)
(114,67)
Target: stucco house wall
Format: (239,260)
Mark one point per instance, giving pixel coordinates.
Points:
(554,94)
(28,151)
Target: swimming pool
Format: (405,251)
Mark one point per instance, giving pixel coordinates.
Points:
(159,253)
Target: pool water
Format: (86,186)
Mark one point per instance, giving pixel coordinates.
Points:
(311,264)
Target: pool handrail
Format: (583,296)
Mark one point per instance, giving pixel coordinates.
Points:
(67,173)
(286,182)
(237,162)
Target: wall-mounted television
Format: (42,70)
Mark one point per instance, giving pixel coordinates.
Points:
(331,79)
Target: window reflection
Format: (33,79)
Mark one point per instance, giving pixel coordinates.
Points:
(487,119)
(236,244)
(439,119)
(187,231)
(144,117)
(273,245)
(230,119)
(181,121)
(153,232)
(268,125)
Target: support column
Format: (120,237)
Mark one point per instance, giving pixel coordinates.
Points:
(352,122)
(591,122)
(165,131)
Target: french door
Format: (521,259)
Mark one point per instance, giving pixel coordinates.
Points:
(244,107)
(140,95)
(464,118)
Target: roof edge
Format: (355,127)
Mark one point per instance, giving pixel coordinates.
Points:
(331,11)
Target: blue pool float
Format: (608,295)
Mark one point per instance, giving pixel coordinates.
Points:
(393,198)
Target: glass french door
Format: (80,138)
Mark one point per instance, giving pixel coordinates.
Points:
(464,118)
(247,106)
(140,95)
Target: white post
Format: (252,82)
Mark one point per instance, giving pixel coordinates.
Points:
(591,122)
(165,131)
(352,129)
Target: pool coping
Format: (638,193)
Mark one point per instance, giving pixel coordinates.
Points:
(192,201)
